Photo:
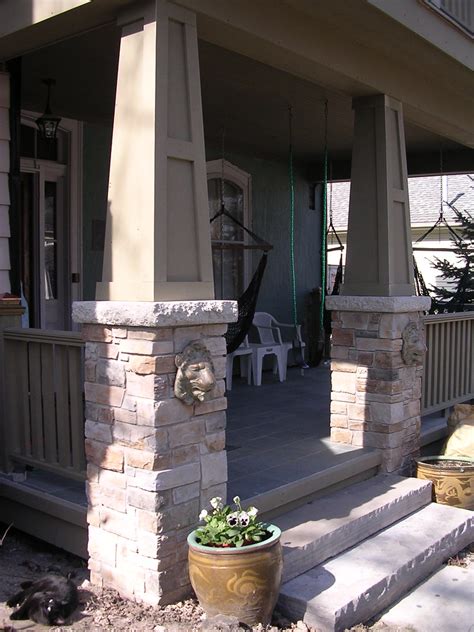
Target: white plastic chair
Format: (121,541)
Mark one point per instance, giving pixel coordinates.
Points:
(244,352)
(269,333)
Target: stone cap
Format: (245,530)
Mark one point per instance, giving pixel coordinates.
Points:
(388,304)
(155,314)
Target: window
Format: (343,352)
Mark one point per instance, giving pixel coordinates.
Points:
(230,260)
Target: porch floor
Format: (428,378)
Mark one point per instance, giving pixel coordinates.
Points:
(277,438)
(278,433)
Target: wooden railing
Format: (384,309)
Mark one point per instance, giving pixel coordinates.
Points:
(449,362)
(44,400)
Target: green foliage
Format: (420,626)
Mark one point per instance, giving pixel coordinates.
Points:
(460,297)
(228,527)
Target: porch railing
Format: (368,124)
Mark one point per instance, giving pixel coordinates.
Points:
(44,400)
(449,362)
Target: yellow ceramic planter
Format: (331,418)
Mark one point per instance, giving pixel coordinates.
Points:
(452,484)
(241,582)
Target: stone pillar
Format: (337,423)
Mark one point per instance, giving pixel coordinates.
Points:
(375,393)
(4,186)
(157,243)
(152,461)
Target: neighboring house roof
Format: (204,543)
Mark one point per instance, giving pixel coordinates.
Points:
(425,197)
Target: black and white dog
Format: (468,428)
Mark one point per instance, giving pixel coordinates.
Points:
(49,600)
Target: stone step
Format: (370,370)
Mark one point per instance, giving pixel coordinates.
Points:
(324,527)
(365,580)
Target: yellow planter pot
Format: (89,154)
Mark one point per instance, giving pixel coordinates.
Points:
(242,582)
(452,477)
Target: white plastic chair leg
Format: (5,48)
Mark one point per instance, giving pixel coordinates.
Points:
(257,361)
(281,362)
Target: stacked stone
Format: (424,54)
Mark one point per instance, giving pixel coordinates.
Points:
(153,461)
(375,399)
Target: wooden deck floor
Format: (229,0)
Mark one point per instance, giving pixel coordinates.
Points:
(279,453)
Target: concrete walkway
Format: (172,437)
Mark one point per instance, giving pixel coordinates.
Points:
(442,603)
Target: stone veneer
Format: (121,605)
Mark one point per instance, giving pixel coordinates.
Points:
(152,461)
(375,397)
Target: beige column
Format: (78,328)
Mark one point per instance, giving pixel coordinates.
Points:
(152,461)
(4,186)
(377,342)
(157,244)
(379,254)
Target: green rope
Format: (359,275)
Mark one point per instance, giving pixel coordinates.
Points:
(292,217)
(324,221)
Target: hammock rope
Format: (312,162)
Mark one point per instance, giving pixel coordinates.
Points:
(324,223)
(292,216)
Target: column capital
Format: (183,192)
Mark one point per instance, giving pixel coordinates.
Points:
(379,304)
(155,314)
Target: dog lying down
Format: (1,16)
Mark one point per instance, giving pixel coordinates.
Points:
(49,600)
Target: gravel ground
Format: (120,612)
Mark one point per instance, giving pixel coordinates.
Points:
(24,558)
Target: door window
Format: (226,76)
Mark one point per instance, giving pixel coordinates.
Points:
(227,238)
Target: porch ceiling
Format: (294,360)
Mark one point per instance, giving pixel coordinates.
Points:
(246,98)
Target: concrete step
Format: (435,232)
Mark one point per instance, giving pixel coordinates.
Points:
(324,527)
(444,602)
(365,580)
(337,468)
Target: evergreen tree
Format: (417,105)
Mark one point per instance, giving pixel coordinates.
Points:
(460,297)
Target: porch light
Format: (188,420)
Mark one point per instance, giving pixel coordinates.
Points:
(48,123)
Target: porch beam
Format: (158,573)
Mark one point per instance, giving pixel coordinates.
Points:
(334,45)
(157,244)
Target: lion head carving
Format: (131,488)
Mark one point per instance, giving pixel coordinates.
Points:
(414,347)
(195,376)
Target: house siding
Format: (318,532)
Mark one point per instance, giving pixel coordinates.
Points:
(271,221)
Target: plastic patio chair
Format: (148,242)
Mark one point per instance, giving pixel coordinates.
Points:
(269,333)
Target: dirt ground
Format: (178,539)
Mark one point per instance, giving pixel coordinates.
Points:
(25,558)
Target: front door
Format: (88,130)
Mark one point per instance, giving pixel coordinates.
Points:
(45,251)
(50,223)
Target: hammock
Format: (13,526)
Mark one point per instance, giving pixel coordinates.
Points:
(247,302)
(420,285)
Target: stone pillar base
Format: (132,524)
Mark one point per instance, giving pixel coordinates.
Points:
(152,461)
(375,395)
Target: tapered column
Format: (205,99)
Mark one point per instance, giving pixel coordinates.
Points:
(157,243)
(379,253)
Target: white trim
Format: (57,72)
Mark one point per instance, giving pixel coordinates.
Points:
(73,168)
(235,175)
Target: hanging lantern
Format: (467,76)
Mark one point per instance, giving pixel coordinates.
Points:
(48,123)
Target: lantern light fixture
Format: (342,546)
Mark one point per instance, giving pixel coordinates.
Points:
(48,123)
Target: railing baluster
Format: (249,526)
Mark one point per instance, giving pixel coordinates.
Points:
(44,390)
(448,375)
(50,447)
(76,409)
(62,406)
(36,403)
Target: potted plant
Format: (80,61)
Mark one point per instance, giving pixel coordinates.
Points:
(235,563)
(452,478)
